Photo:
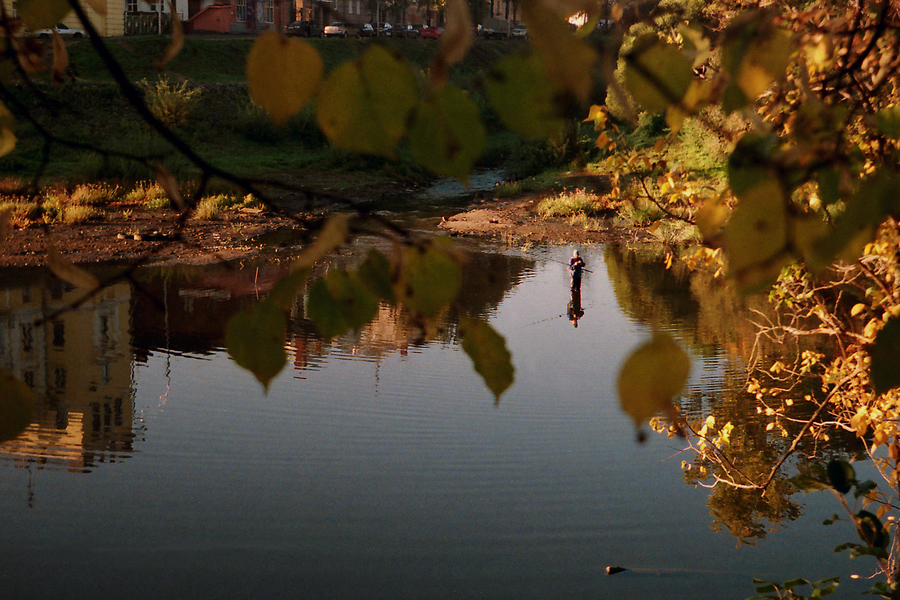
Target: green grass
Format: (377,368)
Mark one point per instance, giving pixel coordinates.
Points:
(223,126)
(571,204)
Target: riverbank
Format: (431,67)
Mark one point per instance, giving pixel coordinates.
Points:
(133,232)
(515,221)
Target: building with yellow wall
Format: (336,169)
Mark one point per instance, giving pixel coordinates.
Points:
(77,360)
(111,23)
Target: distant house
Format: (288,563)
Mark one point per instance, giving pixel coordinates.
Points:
(239,16)
(112,23)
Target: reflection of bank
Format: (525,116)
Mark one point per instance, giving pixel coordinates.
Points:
(79,366)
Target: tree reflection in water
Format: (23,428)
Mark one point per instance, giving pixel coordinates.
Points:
(734,450)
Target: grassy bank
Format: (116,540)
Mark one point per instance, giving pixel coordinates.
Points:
(203,95)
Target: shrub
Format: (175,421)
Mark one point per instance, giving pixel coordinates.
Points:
(169,102)
(79,214)
(92,195)
(569,204)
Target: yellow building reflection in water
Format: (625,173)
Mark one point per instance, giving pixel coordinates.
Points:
(78,362)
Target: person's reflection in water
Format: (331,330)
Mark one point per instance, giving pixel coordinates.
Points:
(574,309)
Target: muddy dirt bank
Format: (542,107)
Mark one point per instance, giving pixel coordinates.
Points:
(515,221)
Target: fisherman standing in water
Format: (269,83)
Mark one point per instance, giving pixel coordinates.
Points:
(576,265)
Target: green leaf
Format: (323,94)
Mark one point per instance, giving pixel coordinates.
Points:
(283,74)
(751,162)
(755,237)
(829,185)
(885,355)
(488,352)
(42,14)
(288,288)
(876,552)
(766,588)
(873,202)
(863,488)
(657,74)
(846,546)
(872,532)
(375,274)
(325,314)
(339,302)
(789,585)
(447,135)
(806,483)
(430,278)
(887,120)
(841,475)
(525,100)
(755,54)
(365,105)
(652,376)
(255,339)
(16,406)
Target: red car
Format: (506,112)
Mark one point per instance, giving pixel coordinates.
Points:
(431,33)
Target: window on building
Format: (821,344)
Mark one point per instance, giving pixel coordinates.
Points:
(269,11)
(59,378)
(241,10)
(59,333)
(27,332)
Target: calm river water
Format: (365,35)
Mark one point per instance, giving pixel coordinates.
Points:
(378,465)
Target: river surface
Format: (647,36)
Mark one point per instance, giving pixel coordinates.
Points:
(378,465)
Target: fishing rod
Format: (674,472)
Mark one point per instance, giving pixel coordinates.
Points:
(559,262)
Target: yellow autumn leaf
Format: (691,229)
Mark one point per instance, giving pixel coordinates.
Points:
(42,14)
(60,58)
(283,74)
(569,61)
(69,272)
(333,235)
(5,215)
(365,105)
(177,39)
(7,137)
(455,41)
(652,376)
(99,6)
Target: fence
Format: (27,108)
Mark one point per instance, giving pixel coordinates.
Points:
(147,23)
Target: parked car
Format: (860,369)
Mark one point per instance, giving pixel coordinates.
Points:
(344,30)
(431,33)
(304,29)
(367,30)
(384,29)
(519,32)
(404,30)
(63,30)
(495,29)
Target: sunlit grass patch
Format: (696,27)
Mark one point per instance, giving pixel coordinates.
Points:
(93,195)
(150,194)
(509,189)
(21,211)
(570,204)
(78,214)
(211,207)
